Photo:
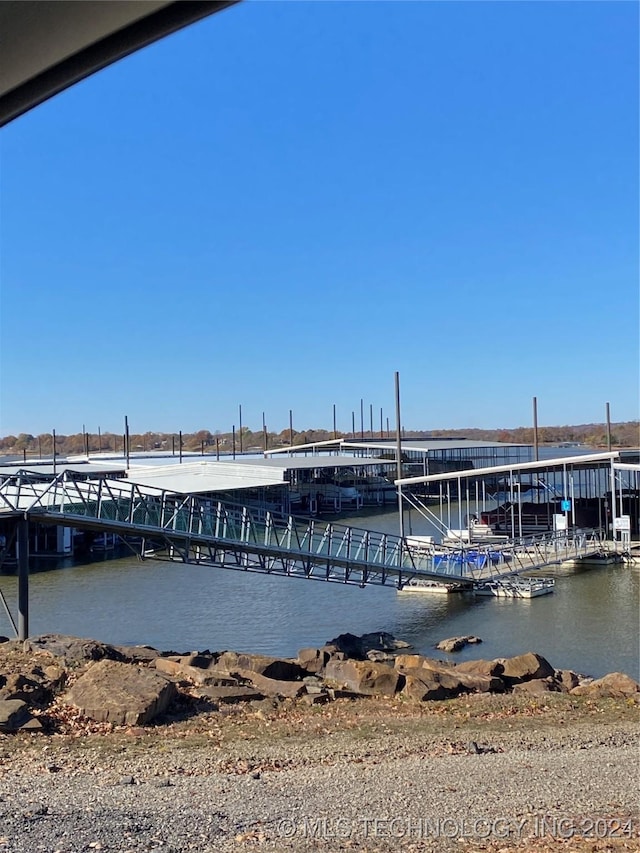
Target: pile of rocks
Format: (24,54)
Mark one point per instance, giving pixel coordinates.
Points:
(133,685)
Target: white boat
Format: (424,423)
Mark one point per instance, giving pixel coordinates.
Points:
(422,585)
(516,588)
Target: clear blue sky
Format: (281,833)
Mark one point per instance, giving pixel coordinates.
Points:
(282,205)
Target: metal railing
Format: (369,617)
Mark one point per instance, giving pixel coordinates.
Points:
(201,530)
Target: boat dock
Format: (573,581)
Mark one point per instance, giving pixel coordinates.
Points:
(192,529)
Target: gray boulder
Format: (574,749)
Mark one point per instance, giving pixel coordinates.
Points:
(119,693)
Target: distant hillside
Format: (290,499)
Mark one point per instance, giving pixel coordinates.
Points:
(626,434)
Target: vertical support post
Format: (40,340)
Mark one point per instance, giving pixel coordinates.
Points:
(53,433)
(240,425)
(335,432)
(371,420)
(536,450)
(361,419)
(388,432)
(381,425)
(173,445)
(265,436)
(39,448)
(217,448)
(353,424)
(126,439)
(233,441)
(23,578)
(180,445)
(399,463)
(614,511)
(291,427)
(608,429)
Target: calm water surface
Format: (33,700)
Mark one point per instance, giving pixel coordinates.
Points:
(590,624)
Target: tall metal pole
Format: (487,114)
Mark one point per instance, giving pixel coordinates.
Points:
(399,458)
(614,510)
(353,424)
(361,419)
(381,425)
(53,433)
(126,439)
(217,448)
(23,578)
(180,445)
(608,429)
(264,433)
(335,432)
(240,425)
(535,430)
(233,441)
(291,427)
(371,420)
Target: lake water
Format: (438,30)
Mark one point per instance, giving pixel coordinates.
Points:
(590,623)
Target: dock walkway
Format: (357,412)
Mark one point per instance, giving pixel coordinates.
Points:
(195,529)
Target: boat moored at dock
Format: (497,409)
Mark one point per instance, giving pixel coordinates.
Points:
(516,587)
(425,585)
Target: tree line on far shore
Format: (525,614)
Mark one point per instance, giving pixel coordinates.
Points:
(625,434)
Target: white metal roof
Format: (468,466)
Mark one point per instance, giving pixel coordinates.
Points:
(427,444)
(295,463)
(420,445)
(47,470)
(202,477)
(514,466)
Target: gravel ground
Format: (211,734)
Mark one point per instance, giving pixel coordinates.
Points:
(366,776)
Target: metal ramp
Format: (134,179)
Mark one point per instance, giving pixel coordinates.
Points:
(194,529)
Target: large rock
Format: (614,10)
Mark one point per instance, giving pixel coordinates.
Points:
(272,686)
(357,648)
(405,661)
(525,667)
(422,688)
(567,679)
(537,686)
(364,677)
(14,713)
(229,695)
(119,693)
(313,660)
(453,682)
(455,644)
(281,669)
(30,690)
(176,670)
(615,685)
(30,676)
(74,651)
(481,667)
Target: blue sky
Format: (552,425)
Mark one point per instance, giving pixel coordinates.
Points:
(282,205)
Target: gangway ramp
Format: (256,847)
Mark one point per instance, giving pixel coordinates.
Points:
(196,529)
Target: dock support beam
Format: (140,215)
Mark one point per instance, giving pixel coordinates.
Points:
(23,579)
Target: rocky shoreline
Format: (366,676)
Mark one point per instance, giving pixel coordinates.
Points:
(359,745)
